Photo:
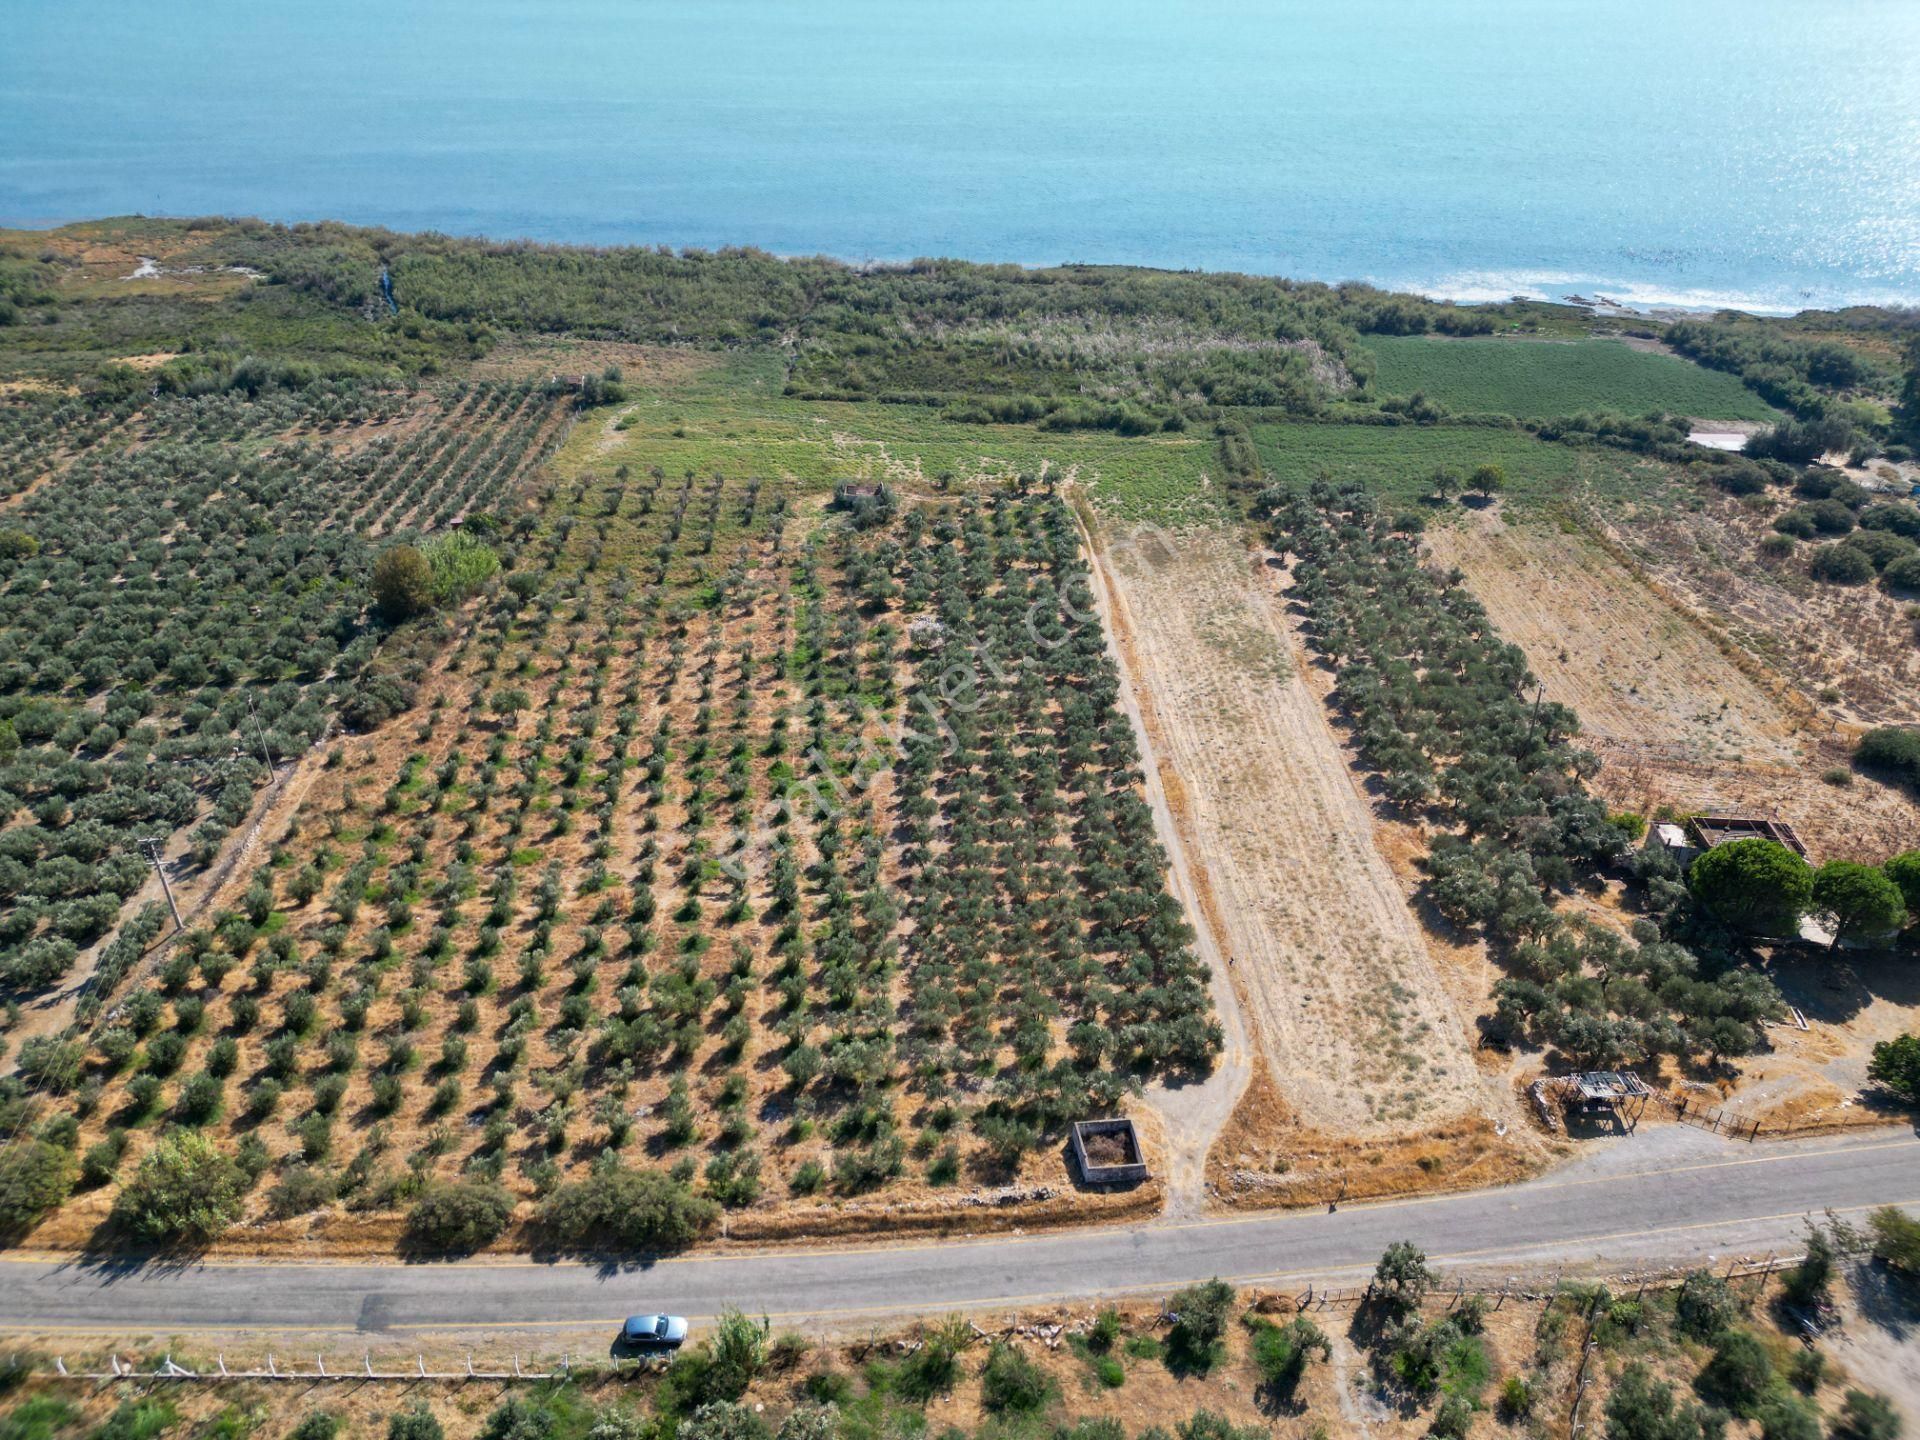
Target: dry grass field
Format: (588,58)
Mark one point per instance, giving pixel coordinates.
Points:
(1854,648)
(1680,712)
(1685,717)
(1364,1047)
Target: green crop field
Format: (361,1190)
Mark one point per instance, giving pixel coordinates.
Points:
(1399,461)
(1532,378)
(734,420)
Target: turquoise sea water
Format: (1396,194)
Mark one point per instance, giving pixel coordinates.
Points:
(1761,152)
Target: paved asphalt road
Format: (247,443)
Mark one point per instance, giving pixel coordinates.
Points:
(1672,1195)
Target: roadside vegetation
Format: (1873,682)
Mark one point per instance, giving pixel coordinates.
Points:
(1692,1354)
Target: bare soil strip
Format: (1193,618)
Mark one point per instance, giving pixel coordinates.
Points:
(1350,1012)
(1194,1114)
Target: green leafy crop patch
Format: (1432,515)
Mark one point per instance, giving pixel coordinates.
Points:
(1533,379)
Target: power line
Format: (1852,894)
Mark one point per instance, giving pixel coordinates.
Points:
(150,847)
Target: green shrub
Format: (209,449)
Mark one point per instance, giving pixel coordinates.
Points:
(417,1422)
(316,1425)
(1894,751)
(737,1351)
(722,1420)
(1453,1417)
(1200,1320)
(1806,1370)
(137,1420)
(1904,870)
(626,1210)
(1011,1383)
(1866,1416)
(1403,1277)
(1785,1416)
(808,1177)
(1896,1238)
(1739,1372)
(34,1177)
(39,1417)
(300,1190)
(935,1366)
(1642,1408)
(1840,564)
(402,584)
(459,1216)
(1705,1306)
(1281,1353)
(184,1189)
(1902,575)
(1896,1064)
(1516,1396)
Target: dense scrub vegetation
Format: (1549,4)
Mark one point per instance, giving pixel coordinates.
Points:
(1451,719)
(1800,376)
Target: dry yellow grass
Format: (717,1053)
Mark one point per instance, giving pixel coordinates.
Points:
(1350,1011)
(1681,715)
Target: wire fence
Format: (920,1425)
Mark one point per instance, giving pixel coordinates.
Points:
(169,1369)
(1332,1298)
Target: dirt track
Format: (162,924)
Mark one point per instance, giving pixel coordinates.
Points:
(1349,1010)
(1192,1114)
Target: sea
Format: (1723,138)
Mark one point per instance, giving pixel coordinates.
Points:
(1763,154)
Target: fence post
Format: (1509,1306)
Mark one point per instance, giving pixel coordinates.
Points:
(271,1370)
(60,1363)
(321,1361)
(221,1359)
(469,1364)
(367,1357)
(421,1362)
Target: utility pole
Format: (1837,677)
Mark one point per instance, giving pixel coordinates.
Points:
(150,847)
(261,735)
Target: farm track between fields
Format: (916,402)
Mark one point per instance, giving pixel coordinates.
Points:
(1194,1114)
(1351,1015)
